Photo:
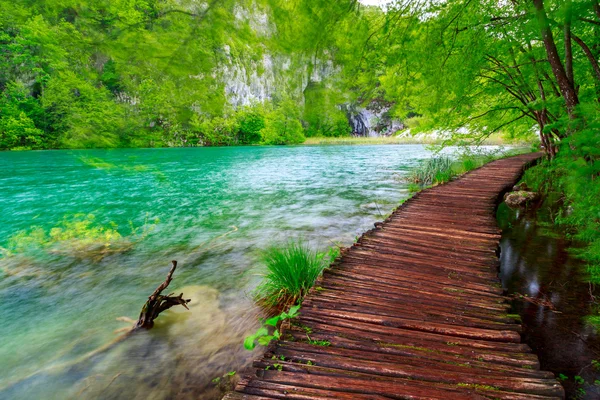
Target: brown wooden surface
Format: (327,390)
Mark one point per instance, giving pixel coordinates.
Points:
(414,310)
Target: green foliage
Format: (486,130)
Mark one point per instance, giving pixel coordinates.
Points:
(432,171)
(251,122)
(217,131)
(579,214)
(152,73)
(571,181)
(283,126)
(291,271)
(322,114)
(262,336)
(562,377)
(17,128)
(227,375)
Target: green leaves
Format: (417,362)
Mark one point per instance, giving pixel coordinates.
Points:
(262,336)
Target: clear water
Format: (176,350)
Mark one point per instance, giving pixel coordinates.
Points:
(212,209)
(538,264)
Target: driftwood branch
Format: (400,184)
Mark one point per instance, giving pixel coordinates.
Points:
(158,303)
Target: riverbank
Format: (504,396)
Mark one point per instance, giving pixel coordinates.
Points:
(494,140)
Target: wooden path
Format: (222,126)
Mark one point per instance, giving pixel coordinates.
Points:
(413,311)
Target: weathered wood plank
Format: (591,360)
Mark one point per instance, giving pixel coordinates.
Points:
(412,311)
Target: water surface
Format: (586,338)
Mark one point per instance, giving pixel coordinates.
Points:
(539,269)
(212,209)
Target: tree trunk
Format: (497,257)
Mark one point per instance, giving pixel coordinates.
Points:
(566,88)
(593,61)
(542,115)
(569,50)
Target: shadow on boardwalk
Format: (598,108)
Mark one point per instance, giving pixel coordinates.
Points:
(413,310)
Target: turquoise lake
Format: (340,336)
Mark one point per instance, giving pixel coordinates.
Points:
(66,277)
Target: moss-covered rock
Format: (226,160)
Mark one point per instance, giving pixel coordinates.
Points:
(520,198)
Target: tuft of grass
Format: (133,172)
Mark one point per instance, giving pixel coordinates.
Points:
(432,171)
(444,168)
(292,271)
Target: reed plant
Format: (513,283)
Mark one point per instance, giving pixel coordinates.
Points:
(432,171)
(291,271)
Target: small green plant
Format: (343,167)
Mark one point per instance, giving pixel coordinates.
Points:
(278,367)
(262,336)
(229,374)
(579,380)
(292,271)
(477,386)
(324,343)
(562,377)
(330,255)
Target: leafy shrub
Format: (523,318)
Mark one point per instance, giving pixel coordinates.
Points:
(18,112)
(282,125)
(19,131)
(251,121)
(216,131)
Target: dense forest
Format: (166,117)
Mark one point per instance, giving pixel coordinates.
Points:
(175,73)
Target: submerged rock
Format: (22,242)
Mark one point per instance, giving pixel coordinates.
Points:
(520,198)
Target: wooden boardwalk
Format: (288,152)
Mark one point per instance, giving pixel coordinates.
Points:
(413,311)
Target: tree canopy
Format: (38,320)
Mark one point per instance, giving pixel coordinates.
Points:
(154,73)
(480,67)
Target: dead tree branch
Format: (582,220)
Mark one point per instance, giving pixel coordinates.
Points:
(158,303)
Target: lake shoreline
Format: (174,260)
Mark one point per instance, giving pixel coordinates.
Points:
(312,141)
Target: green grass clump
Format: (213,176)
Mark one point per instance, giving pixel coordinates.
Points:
(432,171)
(443,169)
(292,271)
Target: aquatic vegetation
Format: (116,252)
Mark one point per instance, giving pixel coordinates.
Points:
(292,271)
(432,171)
(78,236)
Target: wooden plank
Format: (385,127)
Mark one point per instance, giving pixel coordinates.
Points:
(413,310)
